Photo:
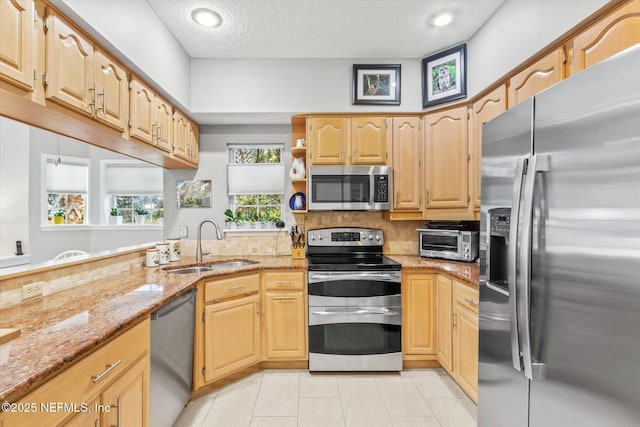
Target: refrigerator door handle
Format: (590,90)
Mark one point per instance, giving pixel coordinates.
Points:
(513,263)
(536,164)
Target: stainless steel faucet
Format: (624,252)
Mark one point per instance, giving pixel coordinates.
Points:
(199,245)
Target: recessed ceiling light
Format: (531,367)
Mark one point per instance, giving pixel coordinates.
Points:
(206,17)
(442,20)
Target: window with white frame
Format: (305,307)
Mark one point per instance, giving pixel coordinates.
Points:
(133,188)
(65,183)
(256,180)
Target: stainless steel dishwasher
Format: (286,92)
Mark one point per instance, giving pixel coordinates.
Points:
(171,358)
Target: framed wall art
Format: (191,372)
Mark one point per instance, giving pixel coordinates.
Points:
(376,84)
(444,76)
(194,193)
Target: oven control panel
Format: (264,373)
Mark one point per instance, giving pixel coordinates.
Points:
(345,237)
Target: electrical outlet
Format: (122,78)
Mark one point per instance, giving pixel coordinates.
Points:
(184,231)
(32,290)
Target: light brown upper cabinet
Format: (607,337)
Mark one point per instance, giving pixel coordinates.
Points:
(446,164)
(407,163)
(483,110)
(141,111)
(327,139)
(185,141)
(163,123)
(16,44)
(615,32)
(151,116)
(111,91)
(83,77)
(537,77)
(70,74)
(370,140)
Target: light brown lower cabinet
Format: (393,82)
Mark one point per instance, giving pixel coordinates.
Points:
(108,387)
(284,316)
(465,338)
(418,315)
(231,336)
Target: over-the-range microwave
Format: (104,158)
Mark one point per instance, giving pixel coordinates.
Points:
(350,188)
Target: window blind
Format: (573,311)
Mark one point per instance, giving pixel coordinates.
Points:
(67,177)
(133,179)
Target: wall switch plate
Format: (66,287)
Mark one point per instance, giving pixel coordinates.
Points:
(32,290)
(184,231)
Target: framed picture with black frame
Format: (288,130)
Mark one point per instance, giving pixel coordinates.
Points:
(444,76)
(376,84)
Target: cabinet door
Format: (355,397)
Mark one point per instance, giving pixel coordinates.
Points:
(112,87)
(483,110)
(231,336)
(128,397)
(444,323)
(465,344)
(407,163)
(537,77)
(70,76)
(284,325)
(446,159)
(418,313)
(141,112)
(16,48)
(85,419)
(370,139)
(194,145)
(164,124)
(615,32)
(181,136)
(327,140)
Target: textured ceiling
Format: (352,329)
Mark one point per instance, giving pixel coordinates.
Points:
(323,28)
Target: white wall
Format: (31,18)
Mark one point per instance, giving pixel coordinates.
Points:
(14,186)
(290,85)
(213,166)
(44,245)
(134,29)
(518,30)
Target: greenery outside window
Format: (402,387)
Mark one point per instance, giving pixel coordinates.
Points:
(255,176)
(65,182)
(127,204)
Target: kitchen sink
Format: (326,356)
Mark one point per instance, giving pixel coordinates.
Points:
(210,267)
(189,270)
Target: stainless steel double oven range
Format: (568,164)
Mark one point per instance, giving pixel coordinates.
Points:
(355,311)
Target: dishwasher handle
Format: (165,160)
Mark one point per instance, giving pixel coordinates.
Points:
(173,305)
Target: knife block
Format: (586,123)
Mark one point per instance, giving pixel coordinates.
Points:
(298,253)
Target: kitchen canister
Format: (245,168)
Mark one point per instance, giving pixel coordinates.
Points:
(163,248)
(174,249)
(152,258)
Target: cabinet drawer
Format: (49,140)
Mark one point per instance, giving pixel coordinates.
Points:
(83,380)
(466,296)
(215,290)
(283,280)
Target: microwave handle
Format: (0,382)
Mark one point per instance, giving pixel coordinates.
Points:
(372,193)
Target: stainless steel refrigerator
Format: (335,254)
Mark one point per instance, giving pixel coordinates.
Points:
(560,255)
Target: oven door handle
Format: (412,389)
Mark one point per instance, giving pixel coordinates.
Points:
(324,277)
(364,310)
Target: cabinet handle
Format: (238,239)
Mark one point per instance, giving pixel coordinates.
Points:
(104,101)
(106,372)
(283,298)
(153,132)
(453,320)
(472,302)
(97,423)
(284,282)
(93,89)
(235,288)
(119,417)
(159,133)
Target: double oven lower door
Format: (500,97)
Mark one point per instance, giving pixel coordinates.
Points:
(355,320)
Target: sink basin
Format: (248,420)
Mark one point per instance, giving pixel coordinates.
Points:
(210,267)
(189,270)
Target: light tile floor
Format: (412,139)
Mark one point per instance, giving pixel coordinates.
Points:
(293,398)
